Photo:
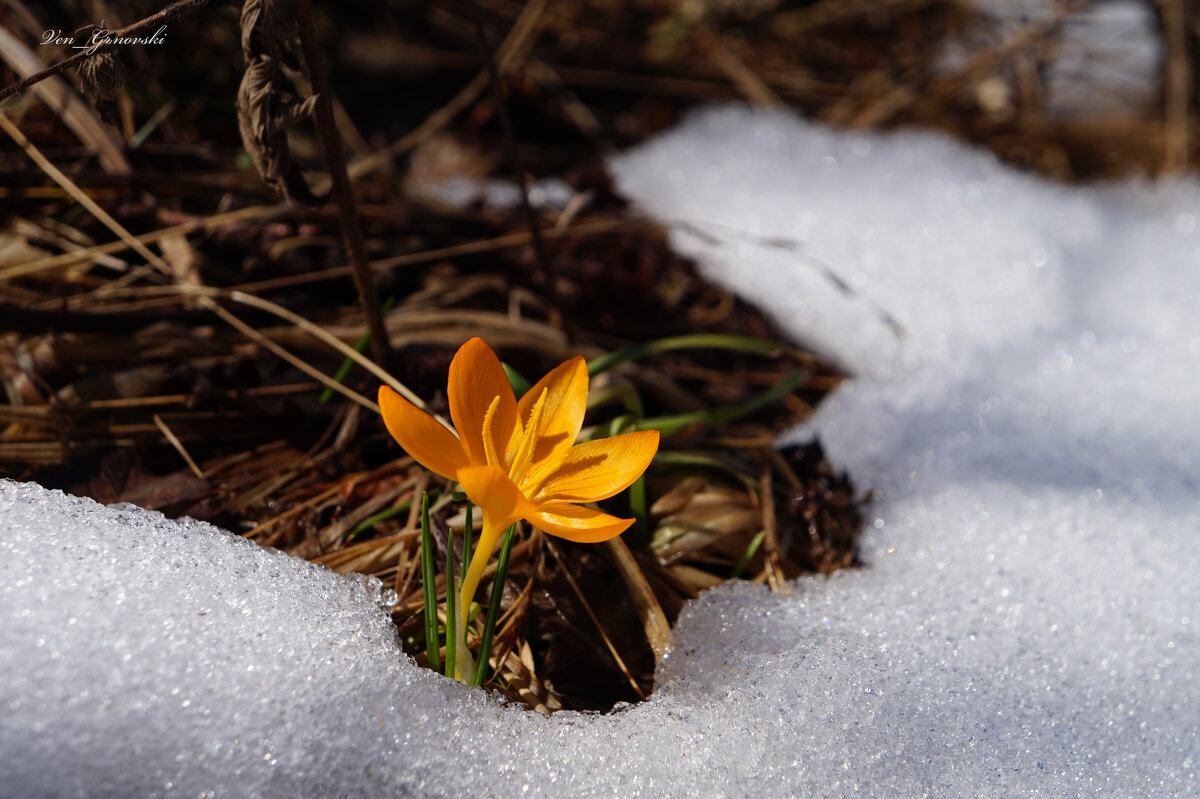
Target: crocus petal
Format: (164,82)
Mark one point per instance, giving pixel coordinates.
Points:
(476,378)
(600,469)
(424,438)
(566,388)
(577,523)
(489,488)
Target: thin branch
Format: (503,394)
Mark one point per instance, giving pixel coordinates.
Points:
(205,224)
(170,12)
(565,569)
(545,265)
(511,50)
(1177,86)
(324,335)
(78,194)
(178,445)
(343,192)
(300,364)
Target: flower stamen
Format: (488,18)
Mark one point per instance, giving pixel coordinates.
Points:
(529,441)
(489,440)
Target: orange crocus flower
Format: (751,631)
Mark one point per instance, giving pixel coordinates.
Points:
(519,460)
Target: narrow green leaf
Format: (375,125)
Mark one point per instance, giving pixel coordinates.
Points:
(639,533)
(621,390)
(694,460)
(715,341)
(613,427)
(452,633)
(669,425)
(428,588)
(493,611)
(755,543)
(371,521)
(518,382)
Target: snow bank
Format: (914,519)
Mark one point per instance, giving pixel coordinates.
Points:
(1028,617)
(1026,624)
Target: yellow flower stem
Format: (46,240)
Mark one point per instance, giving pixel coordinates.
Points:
(493,611)
(488,539)
(464,664)
(468,534)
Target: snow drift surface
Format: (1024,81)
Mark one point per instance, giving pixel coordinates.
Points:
(1026,624)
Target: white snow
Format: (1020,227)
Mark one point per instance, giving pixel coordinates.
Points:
(1025,626)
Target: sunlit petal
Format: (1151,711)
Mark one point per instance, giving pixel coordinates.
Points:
(566,388)
(577,523)
(600,469)
(476,378)
(423,437)
(489,488)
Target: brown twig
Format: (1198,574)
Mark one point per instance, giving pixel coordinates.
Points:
(170,12)
(1177,85)
(588,228)
(654,621)
(545,264)
(300,364)
(342,191)
(178,445)
(511,50)
(772,568)
(70,107)
(748,82)
(82,254)
(79,195)
(612,650)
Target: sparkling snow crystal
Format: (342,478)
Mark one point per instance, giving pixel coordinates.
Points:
(1025,410)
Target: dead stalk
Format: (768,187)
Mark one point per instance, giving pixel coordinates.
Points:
(545,263)
(77,193)
(178,445)
(342,191)
(612,650)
